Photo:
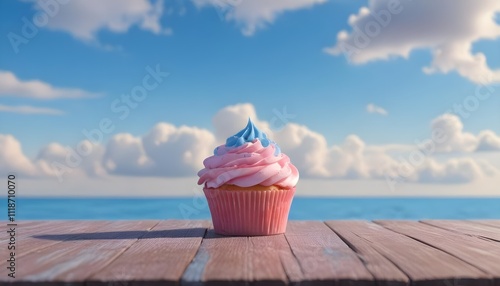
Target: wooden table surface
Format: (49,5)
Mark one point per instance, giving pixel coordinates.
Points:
(187,252)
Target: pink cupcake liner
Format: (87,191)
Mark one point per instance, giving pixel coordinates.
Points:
(249,212)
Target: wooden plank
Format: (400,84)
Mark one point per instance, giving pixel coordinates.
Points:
(489,222)
(33,228)
(223,260)
(160,256)
(29,228)
(26,224)
(467,227)
(382,269)
(77,257)
(323,257)
(483,254)
(343,253)
(424,265)
(219,259)
(33,238)
(274,250)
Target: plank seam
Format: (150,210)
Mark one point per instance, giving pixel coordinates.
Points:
(288,278)
(459,232)
(182,281)
(410,282)
(358,255)
(296,259)
(435,247)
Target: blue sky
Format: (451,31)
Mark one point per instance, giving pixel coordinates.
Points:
(212,65)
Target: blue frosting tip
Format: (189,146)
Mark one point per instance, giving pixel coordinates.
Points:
(249,134)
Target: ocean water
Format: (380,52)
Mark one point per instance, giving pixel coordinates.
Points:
(303,208)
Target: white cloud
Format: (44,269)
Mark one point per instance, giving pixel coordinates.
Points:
(230,120)
(85,19)
(12,158)
(386,30)
(166,150)
(463,170)
(308,149)
(455,139)
(347,160)
(85,159)
(125,155)
(25,109)
(54,152)
(488,141)
(372,108)
(177,151)
(353,159)
(252,15)
(10,85)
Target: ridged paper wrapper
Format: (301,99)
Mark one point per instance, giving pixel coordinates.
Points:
(249,212)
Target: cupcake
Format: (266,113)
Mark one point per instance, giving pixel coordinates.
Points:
(249,185)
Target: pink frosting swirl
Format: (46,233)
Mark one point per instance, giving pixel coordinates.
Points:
(248,165)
